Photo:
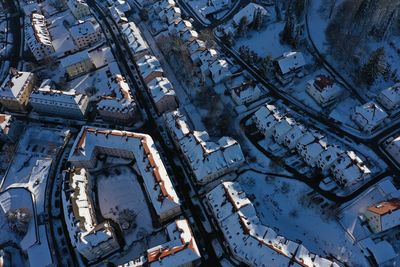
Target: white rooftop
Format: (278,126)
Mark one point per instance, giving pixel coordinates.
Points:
(291,61)
(147,64)
(15,83)
(372,113)
(180,250)
(205,157)
(160,87)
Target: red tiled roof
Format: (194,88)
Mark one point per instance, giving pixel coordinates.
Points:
(385,207)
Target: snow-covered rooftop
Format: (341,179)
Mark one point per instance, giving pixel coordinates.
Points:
(206,159)
(116,105)
(180,250)
(160,87)
(249,240)
(70,97)
(74,59)
(249,12)
(134,38)
(39,26)
(148,64)
(372,113)
(290,61)
(15,83)
(84,28)
(141,147)
(391,94)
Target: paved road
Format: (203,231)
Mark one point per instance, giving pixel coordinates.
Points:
(16,29)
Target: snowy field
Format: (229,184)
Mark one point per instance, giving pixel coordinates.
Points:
(130,196)
(343,110)
(266,41)
(283,205)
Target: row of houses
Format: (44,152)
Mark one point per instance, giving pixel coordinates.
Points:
(207,160)
(249,240)
(345,166)
(158,86)
(95,241)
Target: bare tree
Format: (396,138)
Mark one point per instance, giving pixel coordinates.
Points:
(18,220)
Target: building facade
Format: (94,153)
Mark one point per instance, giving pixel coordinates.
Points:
(59,103)
(86,33)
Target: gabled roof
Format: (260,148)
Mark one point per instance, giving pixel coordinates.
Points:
(141,147)
(148,64)
(372,112)
(290,61)
(160,87)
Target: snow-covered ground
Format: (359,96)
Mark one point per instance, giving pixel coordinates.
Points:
(283,204)
(343,110)
(130,196)
(266,41)
(37,143)
(10,200)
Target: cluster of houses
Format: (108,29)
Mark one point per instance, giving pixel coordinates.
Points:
(95,240)
(18,93)
(212,67)
(208,60)
(206,159)
(249,240)
(345,166)
(85,56)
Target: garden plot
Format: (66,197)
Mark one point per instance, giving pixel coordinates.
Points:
(122,200)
